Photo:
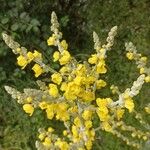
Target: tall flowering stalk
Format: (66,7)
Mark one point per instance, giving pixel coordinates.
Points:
(70,94)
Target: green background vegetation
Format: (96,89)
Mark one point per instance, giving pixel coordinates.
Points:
(28,21)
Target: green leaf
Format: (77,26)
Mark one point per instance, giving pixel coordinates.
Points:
(4,20)
(14,27)
(35,22)
(23,15)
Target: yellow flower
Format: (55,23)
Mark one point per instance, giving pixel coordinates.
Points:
(147,79)
(18,49)
(106,126)
(69,96)
(87,114)
(142,70)
(75,131)
(53,91)
(50,129)
(22,61)
(28,108)
(119,113)
(47,142)
(88,96)
(147,109)
(37,69)
(78,80)
(62,145)
(88,145)
(56,56)
(41,136)
(73,88)
(65,132)
(36,54)
(64,44)
(101,102)
(129,104)
(103,113)
(93,59)
(29,99)
(88,124)
(65,57)
(130,55)
(77,122)
(50,111)
(63,86)
(51,41)
(30,56)
(64,69)
(89,80)
(100,83)
(56,78)
(100,68)
(43,105)
(144,59)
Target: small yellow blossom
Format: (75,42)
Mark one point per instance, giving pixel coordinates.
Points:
(130,55)
(43,105)
(77,122)
(64,44)
(119,113)
(145,138)
(47,142)
(64,69)
(75,131)
(89,80)
(56,56)
(147,79)
(88,124)
(78,80)
(106,126)
(51,41)
(70,96)
(144,59)
(50,111)
(62,145)
(87,114)
(28,108)
(65,58)
(103,114)
(50,129)
(18,50)
(100,83)
(88,145)
(29,99)
(65,132)
(37,69)
(142,70)
(93,59)
(30,56)
(129,104)
(56,78)
(41,136)
(103,102)
(53,91)
(100,68)
(36,54)
(63,86)
(147,109)
(22,61)
(88,96)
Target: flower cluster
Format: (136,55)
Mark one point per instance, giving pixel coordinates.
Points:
(71,94)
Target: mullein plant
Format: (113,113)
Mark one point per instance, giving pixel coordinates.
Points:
(70,94)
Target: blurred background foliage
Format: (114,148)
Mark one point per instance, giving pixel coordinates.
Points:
(28,21)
